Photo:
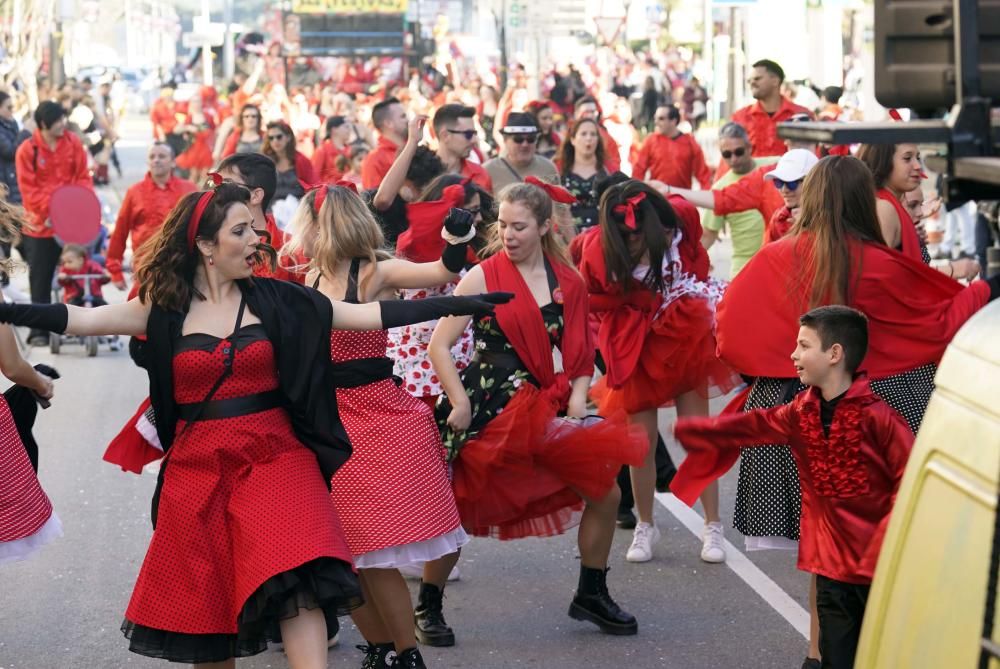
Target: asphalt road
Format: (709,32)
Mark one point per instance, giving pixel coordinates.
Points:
(63,608)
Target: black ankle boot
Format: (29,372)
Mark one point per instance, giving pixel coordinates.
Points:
(378,656)
(593,603)
(431,628)
(410,659)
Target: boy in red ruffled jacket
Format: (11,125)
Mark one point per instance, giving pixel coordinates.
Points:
(851,449)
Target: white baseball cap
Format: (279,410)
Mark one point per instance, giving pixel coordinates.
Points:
(794,165)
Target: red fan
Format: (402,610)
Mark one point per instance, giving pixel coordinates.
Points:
(75,213)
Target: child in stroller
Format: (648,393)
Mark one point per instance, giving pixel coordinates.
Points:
(81,277)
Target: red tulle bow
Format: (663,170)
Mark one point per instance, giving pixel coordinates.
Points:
(557,193)
(199,209)
(628,209)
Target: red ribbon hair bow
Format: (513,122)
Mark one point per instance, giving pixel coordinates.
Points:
(199,209)
(628,209)
(557,193)
(323,188)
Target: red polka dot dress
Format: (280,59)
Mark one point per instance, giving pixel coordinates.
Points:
(393,495)
(27,521)
(245,534)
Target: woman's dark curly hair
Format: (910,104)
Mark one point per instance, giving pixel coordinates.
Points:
(166,277)
(654,218)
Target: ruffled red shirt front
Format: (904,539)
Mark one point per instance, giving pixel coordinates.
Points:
(849,479)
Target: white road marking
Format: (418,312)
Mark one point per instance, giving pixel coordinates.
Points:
(761,583)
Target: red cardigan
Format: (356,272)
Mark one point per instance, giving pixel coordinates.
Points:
(849,478)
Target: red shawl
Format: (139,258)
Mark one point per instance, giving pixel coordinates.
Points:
(625,318)
(909,241)
(779,225)
(522,324)
(913,311)
(421,241)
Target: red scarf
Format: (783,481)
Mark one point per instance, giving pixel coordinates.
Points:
(421,241)
(913,311)
(522,324)
(909,240)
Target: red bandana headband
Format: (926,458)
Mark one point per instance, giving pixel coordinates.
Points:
(628,209)
(199,209)
(323,189)
(557,193)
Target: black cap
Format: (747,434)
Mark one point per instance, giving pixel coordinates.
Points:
(520,123)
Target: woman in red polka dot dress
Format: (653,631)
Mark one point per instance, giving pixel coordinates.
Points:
(398,464)
(246,547)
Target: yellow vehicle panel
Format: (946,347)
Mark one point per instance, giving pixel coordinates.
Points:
(929,594)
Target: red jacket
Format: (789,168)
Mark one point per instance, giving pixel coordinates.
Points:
(324,162)
(763,127)
(751,192)
(377,163)
(73,288)
(40,171)
(849,478)
(479,176)
(672,160)
(142,213)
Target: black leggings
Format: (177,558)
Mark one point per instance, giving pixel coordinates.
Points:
(43,258)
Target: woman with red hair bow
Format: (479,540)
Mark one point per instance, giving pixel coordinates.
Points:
(647,275)
(527,460)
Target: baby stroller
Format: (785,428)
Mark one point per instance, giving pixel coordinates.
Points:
(76,216)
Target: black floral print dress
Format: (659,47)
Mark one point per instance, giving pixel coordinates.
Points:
(492,378)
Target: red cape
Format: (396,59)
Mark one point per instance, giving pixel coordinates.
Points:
(913,311)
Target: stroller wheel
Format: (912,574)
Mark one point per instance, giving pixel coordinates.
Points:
(55,340)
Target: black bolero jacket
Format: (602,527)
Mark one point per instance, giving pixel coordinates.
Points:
(297,320)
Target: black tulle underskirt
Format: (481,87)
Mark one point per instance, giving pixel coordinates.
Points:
(325,583)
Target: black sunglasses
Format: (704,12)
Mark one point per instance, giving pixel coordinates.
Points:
(275,138)
(524,139)
(468,134)
(739,153)
(790,185)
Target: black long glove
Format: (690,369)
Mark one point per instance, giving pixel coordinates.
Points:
(458,223)
(49,317)
(405,312)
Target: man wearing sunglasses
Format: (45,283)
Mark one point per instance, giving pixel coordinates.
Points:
(671,156)
(456,133)
(746,228)
(519,159)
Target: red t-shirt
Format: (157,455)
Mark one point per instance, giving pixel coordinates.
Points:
(763,127)
(673,160)
(479,176)
(377,163)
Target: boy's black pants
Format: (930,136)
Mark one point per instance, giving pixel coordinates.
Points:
(841,609)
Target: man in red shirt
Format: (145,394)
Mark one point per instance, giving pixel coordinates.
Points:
(587,107)
(165,116)
(51,158)
(456,134)
(389,118)
(761,118)
(145,208)
(671,156)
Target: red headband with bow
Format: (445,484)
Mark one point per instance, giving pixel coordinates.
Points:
(557,193)
(323,188)
(199,209)
(628,209)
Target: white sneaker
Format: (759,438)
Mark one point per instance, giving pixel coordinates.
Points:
(416,571)
(643,539)
(711,543)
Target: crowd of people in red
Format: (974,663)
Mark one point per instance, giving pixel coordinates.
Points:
(447,206)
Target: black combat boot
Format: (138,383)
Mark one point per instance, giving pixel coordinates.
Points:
(431,628)
(593,603)
(378,656)
(409,659)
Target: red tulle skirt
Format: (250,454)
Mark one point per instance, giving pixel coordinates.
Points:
(199,155)
(527,472)
(677,357)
